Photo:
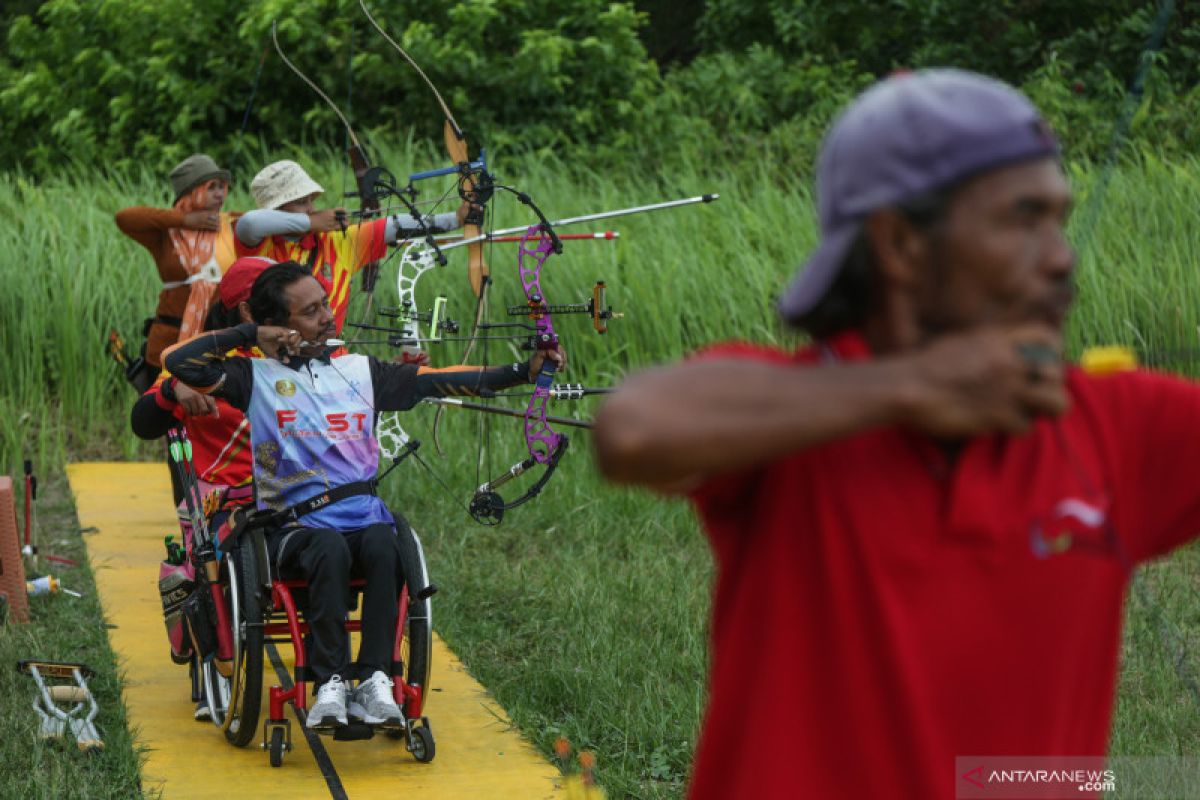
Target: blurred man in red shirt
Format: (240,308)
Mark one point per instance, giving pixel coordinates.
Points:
(924,523)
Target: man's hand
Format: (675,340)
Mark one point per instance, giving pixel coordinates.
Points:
(202,221)
(194,403)
(278,342)
(331,219)
(996,380)
(557,355)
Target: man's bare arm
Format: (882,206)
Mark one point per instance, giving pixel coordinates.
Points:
(672,427)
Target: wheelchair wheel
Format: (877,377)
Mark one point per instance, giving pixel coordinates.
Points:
(421,744)
(276,748)
(215,688)
(236,701)
(416,646)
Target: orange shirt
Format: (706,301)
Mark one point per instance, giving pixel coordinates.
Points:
(151,228)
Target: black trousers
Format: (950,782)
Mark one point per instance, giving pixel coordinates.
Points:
(327,560)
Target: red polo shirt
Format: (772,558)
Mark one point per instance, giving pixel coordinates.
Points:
(881,609)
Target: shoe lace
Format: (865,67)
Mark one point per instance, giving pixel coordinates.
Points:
(381,687)
(332,686)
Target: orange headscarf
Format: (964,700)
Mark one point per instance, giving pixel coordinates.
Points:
(196,253)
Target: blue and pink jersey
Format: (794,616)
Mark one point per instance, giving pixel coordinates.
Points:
(314,433)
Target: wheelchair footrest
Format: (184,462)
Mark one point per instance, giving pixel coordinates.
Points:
(353,731)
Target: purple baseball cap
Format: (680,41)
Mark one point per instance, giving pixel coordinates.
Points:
(910,134)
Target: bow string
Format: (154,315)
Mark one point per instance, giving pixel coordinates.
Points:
(544,445)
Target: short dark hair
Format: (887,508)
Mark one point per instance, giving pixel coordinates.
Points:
(268,306)
(852,296)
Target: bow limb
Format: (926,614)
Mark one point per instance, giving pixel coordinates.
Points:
(450,121)
(359,164)
(545,445)
(456,148)
(312,85)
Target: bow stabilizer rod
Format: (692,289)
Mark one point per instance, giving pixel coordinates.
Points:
(455,402)
(620,212)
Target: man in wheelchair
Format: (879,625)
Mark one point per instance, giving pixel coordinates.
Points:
(312,417)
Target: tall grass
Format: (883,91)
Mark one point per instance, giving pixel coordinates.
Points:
(1138,279)
(585,611)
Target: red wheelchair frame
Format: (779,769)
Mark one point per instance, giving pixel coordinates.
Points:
(240,585)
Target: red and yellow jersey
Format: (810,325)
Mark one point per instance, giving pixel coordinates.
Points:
(339,256)
(220,445)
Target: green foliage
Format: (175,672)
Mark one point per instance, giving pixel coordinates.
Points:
(1007,38)
(776,71)
(756,105)
(123,82)
(114,82)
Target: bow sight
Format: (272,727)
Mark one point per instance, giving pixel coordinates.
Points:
(406,313)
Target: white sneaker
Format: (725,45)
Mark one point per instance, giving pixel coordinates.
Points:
(372,702)
(329,711)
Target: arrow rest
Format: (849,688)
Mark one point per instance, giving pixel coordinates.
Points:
(475,186)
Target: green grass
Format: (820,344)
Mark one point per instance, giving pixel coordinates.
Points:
(585,612)
(62,628)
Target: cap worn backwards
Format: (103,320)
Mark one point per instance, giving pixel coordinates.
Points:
(906,136)
(239,279)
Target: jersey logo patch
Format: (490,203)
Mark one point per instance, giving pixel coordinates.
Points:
(1073,524)
(285,387)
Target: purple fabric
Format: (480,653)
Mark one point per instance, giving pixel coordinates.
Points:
(908,135)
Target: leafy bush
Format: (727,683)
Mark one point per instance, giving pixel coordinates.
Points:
(756,105)
(124,82)
(1007,38)
(121,82)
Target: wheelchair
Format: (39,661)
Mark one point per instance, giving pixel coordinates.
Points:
(251,610)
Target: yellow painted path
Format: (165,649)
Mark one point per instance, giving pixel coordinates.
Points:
(479,755)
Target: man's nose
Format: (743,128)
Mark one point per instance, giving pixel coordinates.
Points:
(1059,255)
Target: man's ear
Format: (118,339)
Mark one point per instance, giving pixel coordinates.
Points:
(244,312)
(900,248)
